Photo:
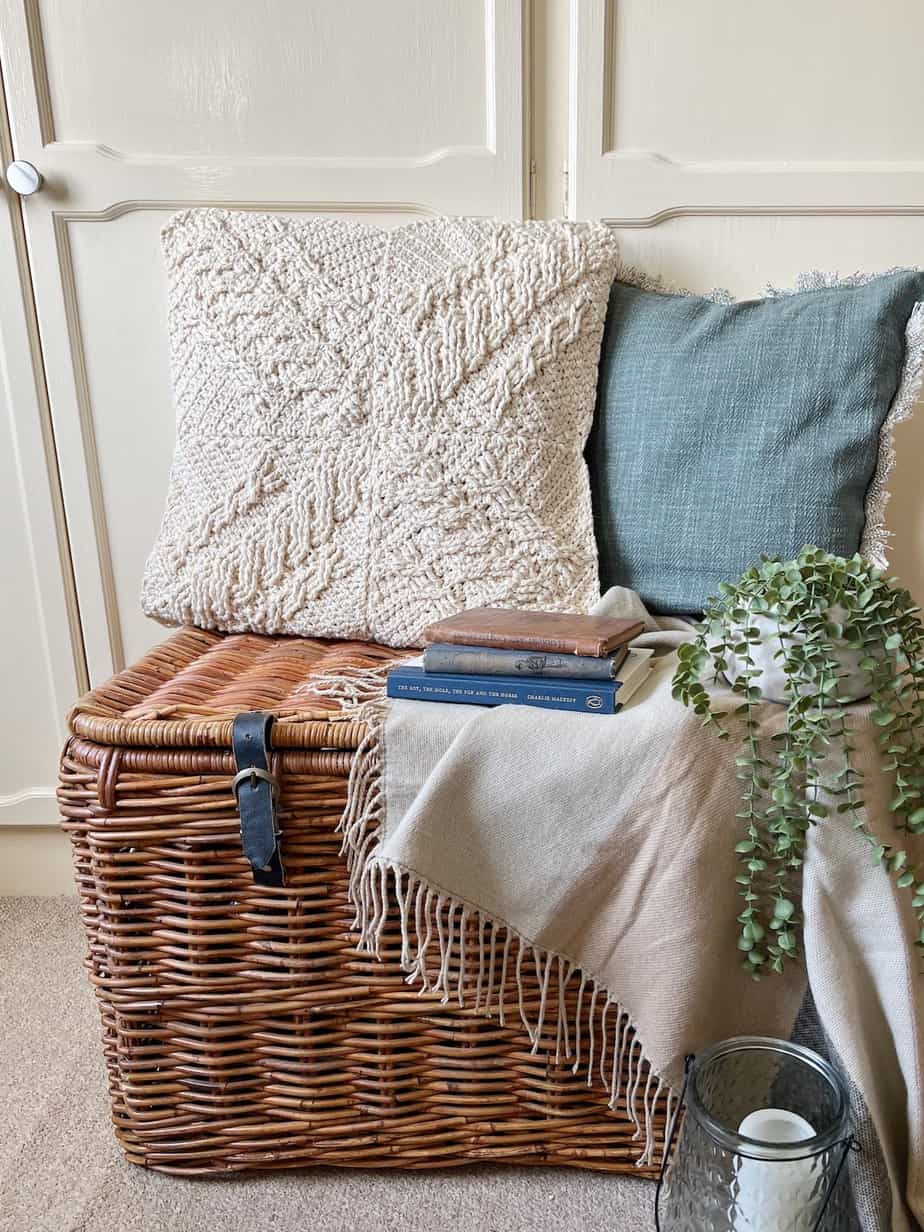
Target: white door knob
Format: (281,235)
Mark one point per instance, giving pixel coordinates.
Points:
(23,178)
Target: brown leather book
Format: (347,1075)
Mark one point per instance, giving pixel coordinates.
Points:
(558,632)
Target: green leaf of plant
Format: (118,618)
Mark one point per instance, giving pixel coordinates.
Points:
(819,602)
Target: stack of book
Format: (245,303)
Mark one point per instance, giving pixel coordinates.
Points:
(499,656)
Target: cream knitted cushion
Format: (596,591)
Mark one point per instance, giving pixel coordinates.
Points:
(378,428)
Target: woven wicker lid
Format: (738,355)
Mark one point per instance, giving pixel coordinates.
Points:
(185,692)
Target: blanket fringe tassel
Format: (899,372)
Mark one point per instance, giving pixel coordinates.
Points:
(452,949)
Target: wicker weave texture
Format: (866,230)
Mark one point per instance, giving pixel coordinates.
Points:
(241,1028)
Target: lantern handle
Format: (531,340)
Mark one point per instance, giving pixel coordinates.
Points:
(671,1134)
(850,1144)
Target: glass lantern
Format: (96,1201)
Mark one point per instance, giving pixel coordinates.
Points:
(762,1144)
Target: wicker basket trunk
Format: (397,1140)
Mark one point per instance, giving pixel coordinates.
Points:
(241,1027)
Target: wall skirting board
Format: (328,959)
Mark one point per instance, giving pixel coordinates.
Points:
(35,860)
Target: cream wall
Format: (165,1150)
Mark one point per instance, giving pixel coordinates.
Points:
(728,144)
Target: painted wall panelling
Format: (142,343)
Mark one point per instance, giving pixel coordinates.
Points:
(381,111)
(446,105)
(719,109)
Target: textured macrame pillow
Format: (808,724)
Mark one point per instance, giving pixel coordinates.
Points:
(378,428)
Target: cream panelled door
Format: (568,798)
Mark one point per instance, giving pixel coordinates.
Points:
(723,109)
(734,145)
(131,110)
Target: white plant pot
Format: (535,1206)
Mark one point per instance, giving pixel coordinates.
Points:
(854,682)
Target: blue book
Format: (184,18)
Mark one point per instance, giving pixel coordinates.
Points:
(589,697)
(488,661)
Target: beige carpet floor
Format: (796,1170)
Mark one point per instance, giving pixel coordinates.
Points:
(61,1171)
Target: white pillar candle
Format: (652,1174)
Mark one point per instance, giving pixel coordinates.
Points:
(773,1190)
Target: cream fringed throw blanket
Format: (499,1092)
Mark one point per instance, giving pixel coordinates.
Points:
(599,851)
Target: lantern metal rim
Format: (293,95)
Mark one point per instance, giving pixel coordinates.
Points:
(754,1148)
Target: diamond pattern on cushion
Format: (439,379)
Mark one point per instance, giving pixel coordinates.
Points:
(377,428)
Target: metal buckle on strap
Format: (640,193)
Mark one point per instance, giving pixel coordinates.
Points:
(250,744)
(250,774)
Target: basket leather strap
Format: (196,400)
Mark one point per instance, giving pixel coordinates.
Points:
(256,791)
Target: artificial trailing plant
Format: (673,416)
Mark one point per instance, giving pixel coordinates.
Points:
(816,610)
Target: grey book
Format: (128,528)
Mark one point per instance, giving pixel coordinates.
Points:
(454,660)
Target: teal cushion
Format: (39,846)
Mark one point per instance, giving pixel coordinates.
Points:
(727,430)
